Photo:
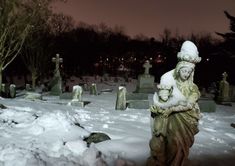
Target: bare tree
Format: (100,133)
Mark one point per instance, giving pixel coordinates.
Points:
(33,53)
(13,31)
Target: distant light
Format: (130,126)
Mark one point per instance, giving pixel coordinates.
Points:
(150,58)
(207,59)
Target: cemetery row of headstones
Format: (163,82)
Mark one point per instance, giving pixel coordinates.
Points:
(138,99)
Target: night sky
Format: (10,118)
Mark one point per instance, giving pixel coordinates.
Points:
(150,17)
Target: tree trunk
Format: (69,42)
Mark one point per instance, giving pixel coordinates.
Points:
(0,80)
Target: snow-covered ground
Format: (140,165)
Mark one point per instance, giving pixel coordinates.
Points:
(46,132)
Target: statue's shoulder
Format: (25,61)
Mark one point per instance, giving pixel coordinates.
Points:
(194,86)
(168,78)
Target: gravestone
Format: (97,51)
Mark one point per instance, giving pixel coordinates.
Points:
(5,90)
(56,82)
(121,98)
(223,90)
(145,82)
(85,87)
(77,96)
(28,87)
(232,93)
(12,91)
(93,89)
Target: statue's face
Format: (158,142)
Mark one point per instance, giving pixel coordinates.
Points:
(164,94)
(185,72)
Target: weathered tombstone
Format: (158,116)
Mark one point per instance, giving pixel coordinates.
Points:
(137,100)
(106,77)
(93,89)
(77,93)
(12,91)
(232,92)
(85,87)
(27,87)
(223,89)
(77,96)
(145,82)
(56,83)
(121,98)
(5,90)
(207,104)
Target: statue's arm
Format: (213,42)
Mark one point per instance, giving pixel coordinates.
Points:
(190,103)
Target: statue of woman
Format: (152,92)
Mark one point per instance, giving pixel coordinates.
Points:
(170,145)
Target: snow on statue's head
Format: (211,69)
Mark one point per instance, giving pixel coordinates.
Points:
(187,58)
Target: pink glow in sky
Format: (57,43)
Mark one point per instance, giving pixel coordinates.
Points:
(151,17)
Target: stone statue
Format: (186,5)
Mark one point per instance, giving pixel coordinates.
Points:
(175,111)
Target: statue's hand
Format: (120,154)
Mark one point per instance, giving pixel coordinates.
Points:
(154,109)
(166,113)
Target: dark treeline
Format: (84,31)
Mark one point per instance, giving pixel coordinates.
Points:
(95,50)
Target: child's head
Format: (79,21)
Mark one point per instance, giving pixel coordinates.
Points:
(164,92)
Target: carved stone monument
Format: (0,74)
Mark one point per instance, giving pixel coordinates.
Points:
(145,82)
(77,96)
(56,83)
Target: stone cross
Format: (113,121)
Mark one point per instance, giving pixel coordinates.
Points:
(57,61)
(147,66)
(225,75)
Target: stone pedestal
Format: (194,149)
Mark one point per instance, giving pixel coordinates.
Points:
(33,96)
(232,93)
(207,104)
(56,88)
(77,103)
(145,84)
(137,100)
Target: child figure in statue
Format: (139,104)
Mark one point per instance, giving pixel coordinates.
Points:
(176,111)
(159,126)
